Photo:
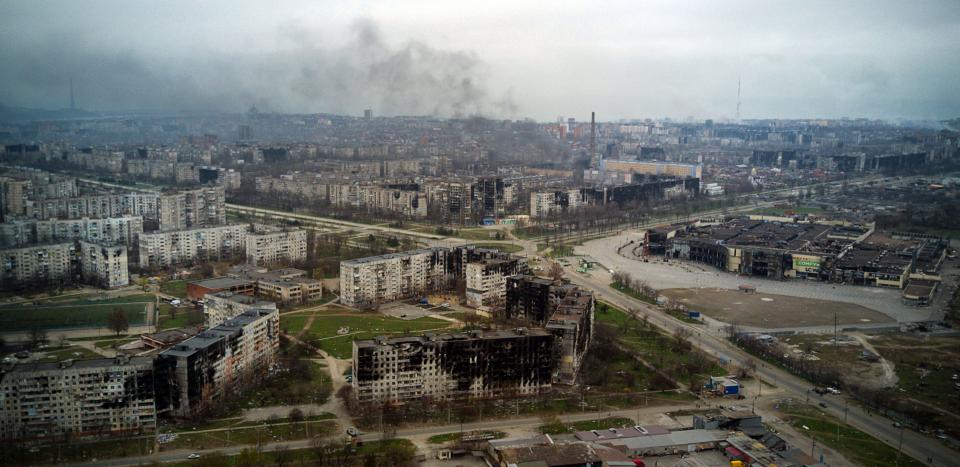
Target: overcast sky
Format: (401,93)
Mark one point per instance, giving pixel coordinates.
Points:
(629,59)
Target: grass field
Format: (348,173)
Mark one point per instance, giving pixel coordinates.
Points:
(480,234)
(505,247)
(175,288)
(185,317)
(68,353)
(72,313)
(852,443)
(323,331)
(556,428)
(658,349)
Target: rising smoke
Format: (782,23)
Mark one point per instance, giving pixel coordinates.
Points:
(366,72)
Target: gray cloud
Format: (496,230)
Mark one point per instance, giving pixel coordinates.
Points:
(366,72)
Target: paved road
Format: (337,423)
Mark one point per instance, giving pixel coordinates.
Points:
(677,274)
(712,342)
(496,424)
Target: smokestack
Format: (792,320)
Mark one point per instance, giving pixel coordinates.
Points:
(594,160)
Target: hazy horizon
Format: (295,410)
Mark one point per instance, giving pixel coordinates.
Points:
(624,60)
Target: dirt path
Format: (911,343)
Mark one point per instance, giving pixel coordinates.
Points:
(889,374)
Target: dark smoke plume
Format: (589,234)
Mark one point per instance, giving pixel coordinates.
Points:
(412,79)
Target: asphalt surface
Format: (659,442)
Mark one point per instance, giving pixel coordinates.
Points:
(711,341)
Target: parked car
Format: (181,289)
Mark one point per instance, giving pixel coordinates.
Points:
(193,456)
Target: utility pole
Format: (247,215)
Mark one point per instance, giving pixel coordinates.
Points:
(899,447)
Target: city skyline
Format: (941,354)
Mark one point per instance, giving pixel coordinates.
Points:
(623,60)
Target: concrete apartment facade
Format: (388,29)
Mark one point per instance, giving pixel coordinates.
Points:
(200,373)
(86,398)
(47,264)
(221,306)
(185,209)
(271,245)
(104,265)
(477,365)
(384,278)
(164,249)
(544,203)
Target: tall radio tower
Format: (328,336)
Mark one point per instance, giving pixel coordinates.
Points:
(738,98)
(73,103)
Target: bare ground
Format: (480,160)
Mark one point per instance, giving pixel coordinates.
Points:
(770,310)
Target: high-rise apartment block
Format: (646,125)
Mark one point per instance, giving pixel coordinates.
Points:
(124,230)
(221,306)
(86,398)
(378,279)
(545,203)
(185,209)
(271,245)
(199,373)
(43,265)
(104,265)
(476,365)
(164,249)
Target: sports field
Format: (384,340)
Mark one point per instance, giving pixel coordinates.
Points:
(73,314)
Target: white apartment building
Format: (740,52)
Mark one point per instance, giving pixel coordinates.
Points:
(123,230)
(164,249)
(86,398)
(377,279)
(219,307)
(486,282)
(545,203)
(202,207)
(41,264)
(99,206)
(104,266)
(270,245)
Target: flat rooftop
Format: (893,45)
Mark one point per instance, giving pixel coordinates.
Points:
(221,283)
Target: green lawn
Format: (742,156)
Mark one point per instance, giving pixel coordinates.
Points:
(187,316)
(480,234)
(68,353)
(323,332)
(555,427)
(109,343)
(61,316)
(560,251)
(852,443)
(306,383)
(656,348)
(504,247)
(175,288)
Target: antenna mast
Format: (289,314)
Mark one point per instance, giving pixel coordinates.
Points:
(738,98)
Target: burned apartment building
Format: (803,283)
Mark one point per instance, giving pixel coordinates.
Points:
(486,281)
(203,371)
(475,365)
(484,364)
(545,203)
(561,308)
(77,399)
(395,276)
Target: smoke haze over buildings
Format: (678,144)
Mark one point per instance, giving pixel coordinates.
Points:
(501,59)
